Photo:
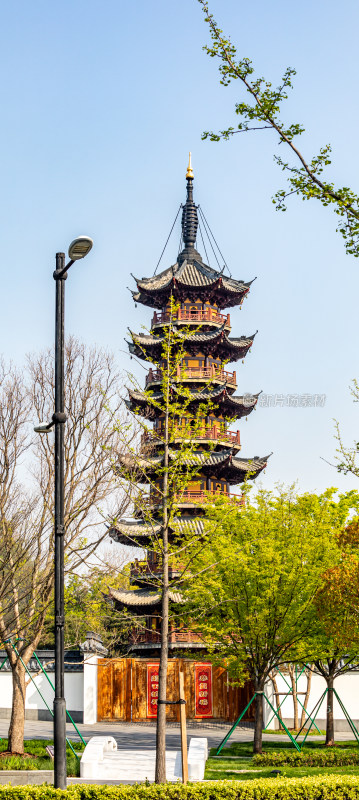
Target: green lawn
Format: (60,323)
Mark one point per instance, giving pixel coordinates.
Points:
(235,762)
(40,759)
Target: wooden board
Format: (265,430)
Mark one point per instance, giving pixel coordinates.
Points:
(122,690)
(113,695)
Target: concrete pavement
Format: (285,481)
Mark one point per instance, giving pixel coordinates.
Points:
(135,736)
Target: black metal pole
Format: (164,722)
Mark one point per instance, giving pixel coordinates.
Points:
(60,777)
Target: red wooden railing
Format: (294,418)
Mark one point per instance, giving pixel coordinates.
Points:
(154,637)
(196,497)
(195,373)
(143,569)
(213,434)
(203,495)
(202,315)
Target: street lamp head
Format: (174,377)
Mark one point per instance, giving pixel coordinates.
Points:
(45,427)
(80,247)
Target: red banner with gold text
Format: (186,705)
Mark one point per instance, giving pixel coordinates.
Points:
(203,690)
(152,689)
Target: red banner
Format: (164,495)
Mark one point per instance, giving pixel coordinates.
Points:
(203,690)
(152,689)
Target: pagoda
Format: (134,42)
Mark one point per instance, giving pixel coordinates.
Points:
(201,294)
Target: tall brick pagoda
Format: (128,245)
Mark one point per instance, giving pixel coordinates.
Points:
(201,294)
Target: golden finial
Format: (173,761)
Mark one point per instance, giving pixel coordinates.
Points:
(189,173)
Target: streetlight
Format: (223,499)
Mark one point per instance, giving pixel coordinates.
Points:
(79,248)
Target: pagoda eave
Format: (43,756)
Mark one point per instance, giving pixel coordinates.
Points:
(143,534)
(231,406)
(216,344)
(141,601)
(217,464)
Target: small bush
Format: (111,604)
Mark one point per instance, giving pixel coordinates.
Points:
(327,787)
(323,757)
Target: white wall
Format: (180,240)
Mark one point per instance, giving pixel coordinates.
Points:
(34,704)
(90,690)
(347,687)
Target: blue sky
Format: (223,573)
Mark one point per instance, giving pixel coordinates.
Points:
(101,102)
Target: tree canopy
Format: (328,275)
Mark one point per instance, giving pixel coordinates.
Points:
(261,109)
(255,606)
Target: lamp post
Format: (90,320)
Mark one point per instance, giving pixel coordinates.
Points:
(79,248)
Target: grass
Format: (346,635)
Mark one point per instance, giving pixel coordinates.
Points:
(281,732)
(40,759)
(235,762)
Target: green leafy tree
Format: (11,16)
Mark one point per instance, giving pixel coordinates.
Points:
(252,592)
(262,111)
(335,641)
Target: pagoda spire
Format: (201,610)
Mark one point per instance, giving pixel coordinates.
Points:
(189,221)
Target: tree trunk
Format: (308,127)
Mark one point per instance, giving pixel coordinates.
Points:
(329,738)
(160,770)
(160,776)
(307,695)
(292,674)
(258,719)
(17,722)
(276,695)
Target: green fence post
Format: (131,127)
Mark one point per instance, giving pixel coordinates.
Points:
(41,695)
(299,701)
(223,742)
(52,686)
(296,745)
(348,718)
(319,703)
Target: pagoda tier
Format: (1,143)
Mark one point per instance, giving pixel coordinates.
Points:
(188,280)
(208,433)
(190,295)
(216,464)
(230,406)
(141,600)
(190,314)
(138,533)
(215,344)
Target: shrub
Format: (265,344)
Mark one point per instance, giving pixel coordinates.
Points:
(326,787)
(323,757)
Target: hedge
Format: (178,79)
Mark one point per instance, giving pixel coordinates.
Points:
(325,757)
(326,787)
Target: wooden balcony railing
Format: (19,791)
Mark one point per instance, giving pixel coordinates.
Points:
(145,570)
(206,495)
(174,637)
(195,374)
(196,497)
(202,315)
(213,434)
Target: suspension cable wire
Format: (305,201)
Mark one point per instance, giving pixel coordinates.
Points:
(209,239)
(167,240)
(203,242)
(216,243)
(181,239)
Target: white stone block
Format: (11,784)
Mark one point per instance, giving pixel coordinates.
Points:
(102,760)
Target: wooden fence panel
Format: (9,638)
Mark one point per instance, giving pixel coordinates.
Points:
(219,683)
(113,699)
(104,689)
(122,691)
(187,667)
(139,689)
(172,712)
(238,698)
